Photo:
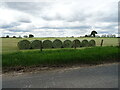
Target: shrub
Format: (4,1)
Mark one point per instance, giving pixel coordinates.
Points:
(76,43)
(67,44)
(36,44)
(47,44)
(85,43)
(57,43)
(92,43)
(23,44)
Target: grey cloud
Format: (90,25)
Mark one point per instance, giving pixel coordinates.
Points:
(11,25)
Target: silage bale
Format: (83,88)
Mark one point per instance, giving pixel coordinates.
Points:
(57,43)
(23,44)
(76,43)
(67,44)
(92,43)
(47,44)
(85,43)
(36,44)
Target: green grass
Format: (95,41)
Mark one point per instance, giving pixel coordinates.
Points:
(60,56)
(9,45)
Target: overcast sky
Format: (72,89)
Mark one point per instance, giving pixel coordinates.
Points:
(59,18)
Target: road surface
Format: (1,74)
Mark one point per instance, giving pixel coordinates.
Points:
(101,76)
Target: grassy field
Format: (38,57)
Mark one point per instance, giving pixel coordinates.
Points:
(60,56)
(9,45)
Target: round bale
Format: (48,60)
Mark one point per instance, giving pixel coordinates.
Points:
(36,44)
(57,43)
(76,43)
(67,44)
(92,43)
(47,44)
(85,43)
(23,44)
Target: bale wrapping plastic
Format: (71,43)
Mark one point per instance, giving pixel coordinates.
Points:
(57,43)
(36,44)
(23,44)
(76,43)
(92,43)
(67,44)
(47,44)
(85,43)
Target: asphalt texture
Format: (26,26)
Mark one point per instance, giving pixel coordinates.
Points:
(101,76)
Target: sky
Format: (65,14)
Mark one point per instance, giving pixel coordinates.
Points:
(59,18)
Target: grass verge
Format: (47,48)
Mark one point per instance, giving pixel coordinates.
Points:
(95,55)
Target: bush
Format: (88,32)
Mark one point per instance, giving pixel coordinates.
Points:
(92,43)
(47,44)
(23,44)
(36,44)
(67,44)
(57,43)
(76,43)
(85,43)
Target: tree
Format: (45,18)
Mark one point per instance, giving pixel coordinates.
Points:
(14,36)
(7,36)
(31,36)
(25,36)
(93,33)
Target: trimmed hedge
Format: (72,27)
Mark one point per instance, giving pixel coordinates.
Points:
(36,44)
(23,44)
(67,44)
(47,44)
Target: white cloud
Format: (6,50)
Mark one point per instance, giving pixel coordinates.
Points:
(59,18)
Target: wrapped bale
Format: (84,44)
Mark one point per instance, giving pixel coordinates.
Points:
(67,44)
(85,43)
(47,44)
(76,43)
(36,44)
(23,44)
(92,43)
(57,43)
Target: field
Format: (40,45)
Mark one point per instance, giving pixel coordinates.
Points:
(14,58)
(10,44)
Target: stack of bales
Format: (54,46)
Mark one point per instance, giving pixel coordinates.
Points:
(76,43)
(36,44)
(47,44)
(67,44)
(23,44)
(57,43)
(92,43)
(85,43)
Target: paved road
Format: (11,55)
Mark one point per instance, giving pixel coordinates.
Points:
(103,76)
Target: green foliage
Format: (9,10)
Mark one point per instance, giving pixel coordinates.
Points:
(60,56)
(85,43)
(47,44)
(67,44)
(23,44)
(92,43)
(57,43)
(76,43)
(36,44)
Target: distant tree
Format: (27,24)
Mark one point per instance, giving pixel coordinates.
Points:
(7,36)
(19,37)
(14,36)
(31,36)
(86,35)
(25,36)
(93,33)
